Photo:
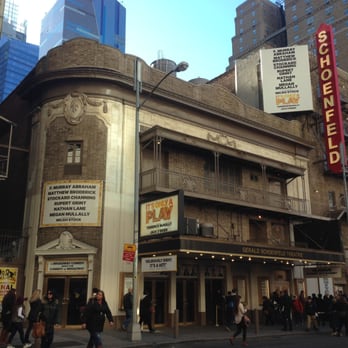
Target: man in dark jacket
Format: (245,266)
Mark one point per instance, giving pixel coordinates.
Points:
(128,308)
(7,310)
(285,304)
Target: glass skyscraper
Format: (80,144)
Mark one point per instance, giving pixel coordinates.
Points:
(17,58)
(101,20)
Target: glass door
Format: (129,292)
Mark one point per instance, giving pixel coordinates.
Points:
(71,294)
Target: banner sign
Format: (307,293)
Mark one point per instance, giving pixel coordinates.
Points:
(71,203)
(286,79)
(330,98)
(8,280)
(159,264)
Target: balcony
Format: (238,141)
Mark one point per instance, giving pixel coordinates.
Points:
(202,187)
(11,246)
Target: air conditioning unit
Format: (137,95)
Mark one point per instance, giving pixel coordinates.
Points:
(191,226)
(207,230)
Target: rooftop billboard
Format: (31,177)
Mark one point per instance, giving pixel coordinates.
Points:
(286,83)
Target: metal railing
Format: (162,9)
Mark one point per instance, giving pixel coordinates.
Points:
(161,178)
(11,246)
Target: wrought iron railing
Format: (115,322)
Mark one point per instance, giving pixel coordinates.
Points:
(161,178)
(11,246)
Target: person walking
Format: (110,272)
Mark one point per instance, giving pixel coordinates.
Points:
(7,310)
(17,323)
(285,303)
(96,310)
(241,321)
(146,310)
(310,311)
(128,308)
(49,314)
(33,316)
(229,310)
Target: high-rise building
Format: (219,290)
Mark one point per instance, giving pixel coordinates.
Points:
(281,23)
(17,57)
(256,23)
(303,18)
(100,20)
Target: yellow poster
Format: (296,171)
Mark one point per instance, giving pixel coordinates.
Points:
(8,280)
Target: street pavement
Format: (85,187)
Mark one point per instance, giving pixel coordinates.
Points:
(77,338)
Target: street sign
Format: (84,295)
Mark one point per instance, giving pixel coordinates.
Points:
(129,252)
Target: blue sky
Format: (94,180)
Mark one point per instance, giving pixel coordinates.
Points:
(196,31)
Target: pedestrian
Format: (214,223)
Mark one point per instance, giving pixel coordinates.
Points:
(128,308)
(310,311)
(146,310)
(96,310)
(241,321)
(220,303)
(285,304)
(297,310)
(229,310)
(267,310)
(17,323)
(341,309)
(49,315)
(33,316)
(7,310)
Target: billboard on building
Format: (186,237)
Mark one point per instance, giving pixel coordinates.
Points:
(71,203)
(161,216)
(330,99)
(286,82)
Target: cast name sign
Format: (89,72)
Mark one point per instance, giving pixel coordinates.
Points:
(71,203)
(159,264)
(286,84)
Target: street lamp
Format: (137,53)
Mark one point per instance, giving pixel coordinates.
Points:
(135,333)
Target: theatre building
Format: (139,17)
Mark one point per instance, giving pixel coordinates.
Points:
(225,190)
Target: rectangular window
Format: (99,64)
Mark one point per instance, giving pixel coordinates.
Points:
(74,153)
(332,200)
(73,165)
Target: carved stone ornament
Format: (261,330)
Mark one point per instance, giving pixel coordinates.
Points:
(74,108)
(65,241)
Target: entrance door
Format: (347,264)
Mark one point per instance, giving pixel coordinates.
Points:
(157,289)
(186,300)
(213,289)
(71,293)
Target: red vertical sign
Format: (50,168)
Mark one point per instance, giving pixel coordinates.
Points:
(330,96)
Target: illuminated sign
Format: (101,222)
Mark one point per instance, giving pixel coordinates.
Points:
(161,216)
(159,264)
(331,107)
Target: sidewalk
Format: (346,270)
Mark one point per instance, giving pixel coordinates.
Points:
(77,338)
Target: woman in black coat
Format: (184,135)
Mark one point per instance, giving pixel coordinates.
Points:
(35,307)
(146,310)
(94,319)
